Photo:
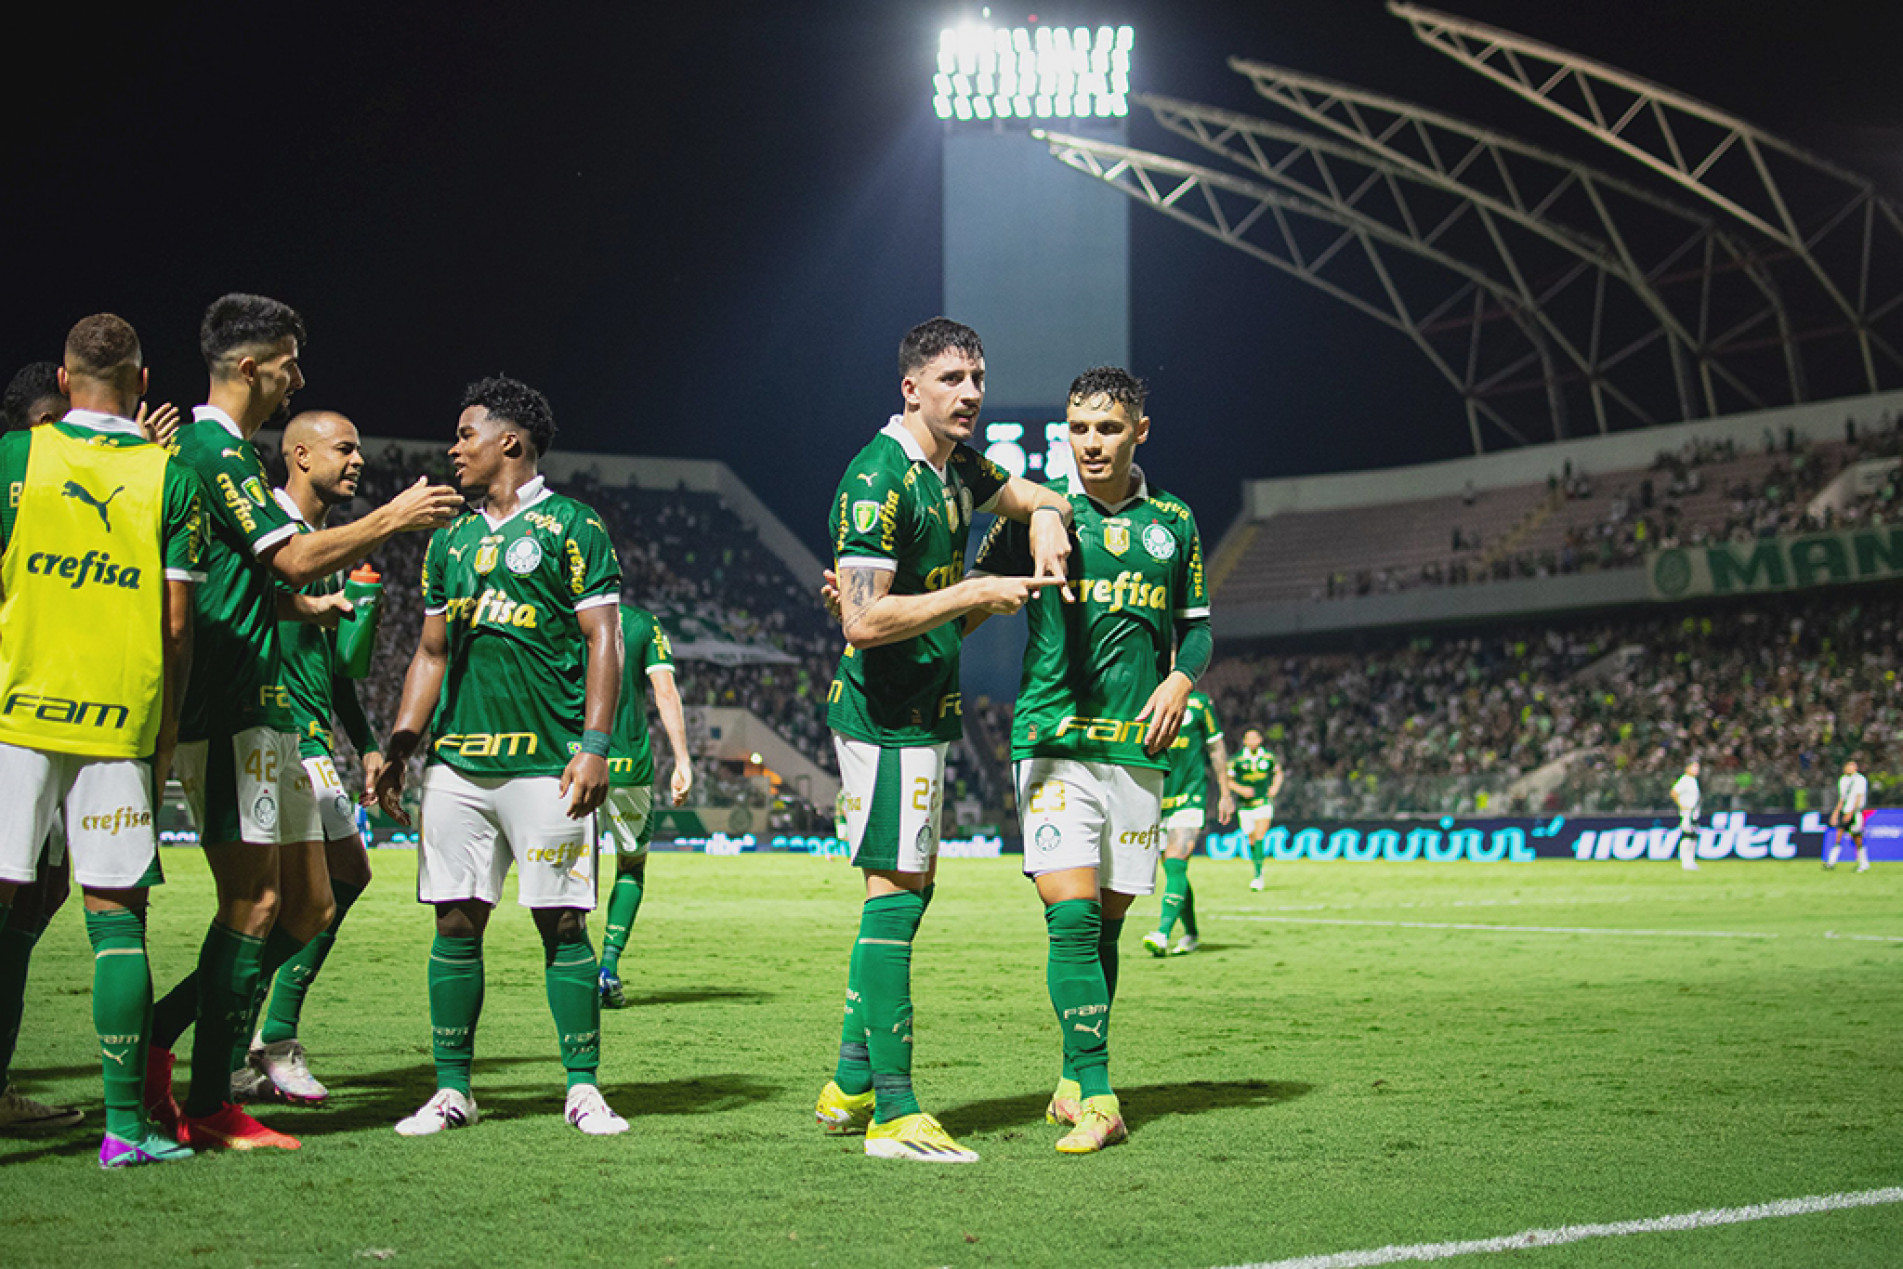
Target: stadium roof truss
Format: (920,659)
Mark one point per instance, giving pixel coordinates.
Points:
(1478,334)
(1569,282)
(1832,222)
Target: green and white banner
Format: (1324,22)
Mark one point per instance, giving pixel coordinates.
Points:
(1776,564)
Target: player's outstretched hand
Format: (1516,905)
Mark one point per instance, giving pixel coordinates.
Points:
(423,506)
(680,784)
(159,426)
(1001,596)
(829,593)
(372,768)
(1050,551)
(1164,712)
(386,791)
(585,784)
(322,610)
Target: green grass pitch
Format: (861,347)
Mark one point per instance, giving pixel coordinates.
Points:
(1342,1067)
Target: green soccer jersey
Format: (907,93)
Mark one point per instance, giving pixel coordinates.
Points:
(1187,783)
(183,519)
(1251,772)
(314,685)
(631,757)
(511,591)
(896,512)
(234,681)
(1090,665)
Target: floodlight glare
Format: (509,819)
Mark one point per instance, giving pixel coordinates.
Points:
(1040,72)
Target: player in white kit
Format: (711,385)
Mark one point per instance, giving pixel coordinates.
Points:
(1853,801)
(1685,794)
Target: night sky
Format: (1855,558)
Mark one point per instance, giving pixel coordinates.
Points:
(702,231)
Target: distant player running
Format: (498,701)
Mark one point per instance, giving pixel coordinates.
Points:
(95,636)
(1685,797)
(1853,803)
(1256,777)
(515,678)
(323,456)
(899,524)
(1197,751)
(1107,678)
(628,814)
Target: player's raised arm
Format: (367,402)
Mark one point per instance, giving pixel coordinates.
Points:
(1022,500)
(870,615)
(302,559)
(585,778)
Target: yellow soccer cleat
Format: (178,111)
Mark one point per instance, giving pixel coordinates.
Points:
(1064,1107)
(919,1138)
(1100,1125)
(843,1114)
(1156,943)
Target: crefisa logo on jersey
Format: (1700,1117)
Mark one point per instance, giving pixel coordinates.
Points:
(524,554)
(1158,542)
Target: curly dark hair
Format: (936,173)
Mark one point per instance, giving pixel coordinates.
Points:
(36,381)
(1114,382)
(235,324)
(940,335)
(513,401)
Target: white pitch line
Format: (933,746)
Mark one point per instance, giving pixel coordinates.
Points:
(1864,938)
(1505,929)
(1394,1255)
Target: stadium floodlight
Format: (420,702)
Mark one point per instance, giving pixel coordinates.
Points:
(1041,72)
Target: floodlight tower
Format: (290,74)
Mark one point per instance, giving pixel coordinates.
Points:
(1037,261)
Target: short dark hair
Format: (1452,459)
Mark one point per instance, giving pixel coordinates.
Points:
(36,381)
(928,340)
(235,323)
(515,402)
(99,345)
(1114,382)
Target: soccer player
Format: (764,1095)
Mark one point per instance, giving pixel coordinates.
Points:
(99,539)
(323,457)
(900,521)
(1853,799)
(1197,750)
(238,759)
(1685,796)
(515,675)
(629,810)
(1256,777)
(1101,701)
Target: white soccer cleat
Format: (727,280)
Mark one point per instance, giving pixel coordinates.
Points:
(588,1111)
(283,1064)
(1689,866)
(1185,945)
(448,1109)
(1256,884)
(1863,867)
(19,1113)
(1156,943)
(249,1085)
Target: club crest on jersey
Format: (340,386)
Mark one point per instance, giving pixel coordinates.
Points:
(1116,536)
(523,555)
(1158,542)
(864,516)
(486,557)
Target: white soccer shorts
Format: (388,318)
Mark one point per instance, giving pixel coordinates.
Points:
(625,822)
(893,798)
(1092,815)
(1184,817)
(108,813)
(335,810)
(1253,817)
(257,774)
(475,827)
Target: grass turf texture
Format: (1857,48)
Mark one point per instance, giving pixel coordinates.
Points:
(1292,1089)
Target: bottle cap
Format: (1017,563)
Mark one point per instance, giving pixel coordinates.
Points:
(364,573)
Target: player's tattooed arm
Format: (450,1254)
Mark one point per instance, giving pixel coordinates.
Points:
(1226,800)
(870,615)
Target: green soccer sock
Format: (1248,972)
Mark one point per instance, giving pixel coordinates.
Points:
(122,1010)
(293,981)
(175,1012)
(1189,904)
(1107,954)
(17,940)
(1175,887)
(853,1074)
(887,925)
(1256,852)
(455,1004)
(228,969)
(624,902)
(575,1001)
(1079,994)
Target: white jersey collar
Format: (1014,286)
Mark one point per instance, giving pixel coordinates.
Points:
(202,412)
(533,490)
(290,506)
(1141,492)
(100,421)
(896,429)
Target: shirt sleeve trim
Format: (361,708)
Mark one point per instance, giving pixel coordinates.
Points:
(1192,614)
(660,669)
(597,601)
(435,612)
(271,539)
(183,575)
(869,561)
